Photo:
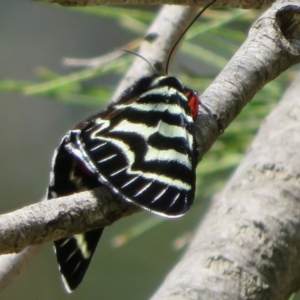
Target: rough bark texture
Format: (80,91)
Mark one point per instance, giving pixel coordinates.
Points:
(248,245)
(51,220)
(220,3)
(272,46)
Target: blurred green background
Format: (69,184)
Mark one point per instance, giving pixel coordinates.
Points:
(34,38)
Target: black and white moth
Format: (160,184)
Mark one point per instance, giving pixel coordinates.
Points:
(142,147)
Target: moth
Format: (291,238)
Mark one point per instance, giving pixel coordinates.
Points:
(142,147)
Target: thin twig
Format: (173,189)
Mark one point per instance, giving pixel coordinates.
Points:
(97,62)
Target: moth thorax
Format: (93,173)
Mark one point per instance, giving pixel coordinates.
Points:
(193,101)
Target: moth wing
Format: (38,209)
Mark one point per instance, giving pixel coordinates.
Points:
(146,153)
(74,253)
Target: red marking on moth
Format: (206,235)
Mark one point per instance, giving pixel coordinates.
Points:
(193,101)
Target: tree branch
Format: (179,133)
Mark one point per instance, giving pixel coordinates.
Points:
(247,4)
(51,220)
(272,47)
(248,245)
(11,265)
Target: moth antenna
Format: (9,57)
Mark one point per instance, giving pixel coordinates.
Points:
(143,58)
(184,32)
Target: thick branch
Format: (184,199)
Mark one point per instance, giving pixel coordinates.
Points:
(248,245)
(229,3)
(50,220)
(272,47)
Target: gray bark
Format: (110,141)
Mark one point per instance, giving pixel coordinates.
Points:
(51,220)
(247,4)
(248,245)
